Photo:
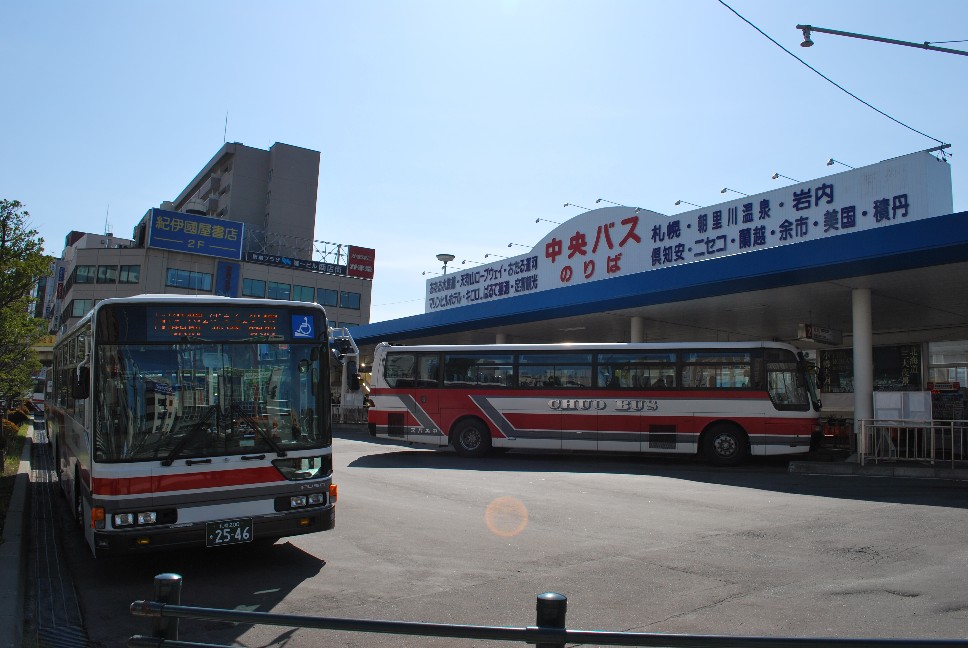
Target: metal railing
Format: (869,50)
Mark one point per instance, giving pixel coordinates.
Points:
(349,414)
(930,442)
(549,630)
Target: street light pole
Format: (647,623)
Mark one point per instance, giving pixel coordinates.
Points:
(810,28)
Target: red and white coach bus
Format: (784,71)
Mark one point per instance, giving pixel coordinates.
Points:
(723,400)
(183,420)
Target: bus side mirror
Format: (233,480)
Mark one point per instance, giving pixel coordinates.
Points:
(80,383)
(352,376)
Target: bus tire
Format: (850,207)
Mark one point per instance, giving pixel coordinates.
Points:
(725,444)
(471,438)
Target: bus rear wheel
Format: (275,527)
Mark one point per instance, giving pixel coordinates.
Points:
(471,438)
(725,445)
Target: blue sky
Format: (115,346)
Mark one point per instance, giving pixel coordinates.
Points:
(452,125)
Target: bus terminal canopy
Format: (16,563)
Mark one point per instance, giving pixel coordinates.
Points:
(759,267)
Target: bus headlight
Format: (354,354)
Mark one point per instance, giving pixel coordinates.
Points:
(316,499)
(131,519)
(297,501)
(123,519)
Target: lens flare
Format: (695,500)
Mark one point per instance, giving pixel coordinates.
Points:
(506,516)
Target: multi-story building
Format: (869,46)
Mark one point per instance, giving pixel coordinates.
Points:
(243,227)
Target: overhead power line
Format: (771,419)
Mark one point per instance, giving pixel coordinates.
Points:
(828,79)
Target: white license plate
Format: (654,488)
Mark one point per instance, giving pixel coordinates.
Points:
(226,532)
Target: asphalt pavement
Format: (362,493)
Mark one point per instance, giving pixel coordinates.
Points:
(39,604)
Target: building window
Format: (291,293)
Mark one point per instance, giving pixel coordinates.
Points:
(254,288)
(327,297)
(81,307)
(349,300)
(302,293)
(84,274)
(189,279)
(130,274)
(107,274)
(279,290)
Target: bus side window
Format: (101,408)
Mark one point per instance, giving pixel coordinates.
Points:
(427,371)
(80,382)
(399,370)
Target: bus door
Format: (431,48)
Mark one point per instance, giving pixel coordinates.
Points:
(425,410)
(787,386)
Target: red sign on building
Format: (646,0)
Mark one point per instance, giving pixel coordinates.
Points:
(360,262)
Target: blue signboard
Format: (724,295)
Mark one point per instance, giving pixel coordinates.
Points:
(227,279)
(195,234)
(302,327)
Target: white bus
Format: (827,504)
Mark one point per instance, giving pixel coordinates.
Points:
(725,401)
(184,421)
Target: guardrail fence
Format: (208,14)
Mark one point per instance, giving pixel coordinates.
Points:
(349,415)
(549,630)
(915,441)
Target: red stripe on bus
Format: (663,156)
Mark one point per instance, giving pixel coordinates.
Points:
(184,481)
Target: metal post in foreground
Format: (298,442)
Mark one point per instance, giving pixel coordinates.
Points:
(167,590)
(551,609)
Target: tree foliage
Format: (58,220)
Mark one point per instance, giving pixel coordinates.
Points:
(22,264)
(22,258)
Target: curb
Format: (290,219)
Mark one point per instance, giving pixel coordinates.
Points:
(13,556)
(878,470)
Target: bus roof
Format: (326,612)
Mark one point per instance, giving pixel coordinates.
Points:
(588,346)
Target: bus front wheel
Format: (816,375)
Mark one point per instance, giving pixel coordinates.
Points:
(725,445)
(471,438)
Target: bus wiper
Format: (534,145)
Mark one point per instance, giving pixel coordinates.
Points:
(189,435)
(236,409)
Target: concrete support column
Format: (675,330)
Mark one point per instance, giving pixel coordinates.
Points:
(638,329)
(863,357)
(501,338)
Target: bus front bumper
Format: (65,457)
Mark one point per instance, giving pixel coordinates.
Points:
(265,528)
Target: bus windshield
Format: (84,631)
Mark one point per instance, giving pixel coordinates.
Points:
(787,382)
(197,400)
